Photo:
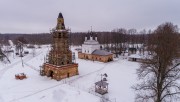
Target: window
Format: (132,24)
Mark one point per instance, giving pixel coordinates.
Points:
(59,35)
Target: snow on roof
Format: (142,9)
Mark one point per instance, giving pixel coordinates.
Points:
(101,83)
(135,56)
(91,42)
(101,52)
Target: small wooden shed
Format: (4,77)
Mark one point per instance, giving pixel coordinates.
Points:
(101,87)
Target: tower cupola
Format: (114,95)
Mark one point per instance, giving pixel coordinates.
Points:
(60,22)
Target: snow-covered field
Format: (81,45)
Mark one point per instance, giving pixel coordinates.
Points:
(121,76)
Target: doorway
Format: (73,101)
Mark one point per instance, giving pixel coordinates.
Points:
(68,75)
(109,59)
(50,74)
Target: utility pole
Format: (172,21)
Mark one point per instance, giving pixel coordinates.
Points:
(21,50)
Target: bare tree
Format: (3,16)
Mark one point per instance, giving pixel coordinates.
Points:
(132,32)
(160,73)
(34,51)
(2,56)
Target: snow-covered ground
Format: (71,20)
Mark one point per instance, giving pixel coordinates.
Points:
(121,76)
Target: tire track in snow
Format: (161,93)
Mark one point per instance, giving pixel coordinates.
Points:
(82,76)
(35,93)
(32,67)
(11,66)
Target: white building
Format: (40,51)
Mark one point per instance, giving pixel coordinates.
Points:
(91,51)
(90,45)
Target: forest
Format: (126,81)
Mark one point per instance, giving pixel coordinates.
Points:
(116,41)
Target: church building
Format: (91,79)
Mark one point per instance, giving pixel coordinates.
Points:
(59,62)
(91,51)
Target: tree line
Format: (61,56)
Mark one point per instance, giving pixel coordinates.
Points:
(159,73)
(116,41)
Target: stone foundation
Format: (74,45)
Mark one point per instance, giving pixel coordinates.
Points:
(60,72)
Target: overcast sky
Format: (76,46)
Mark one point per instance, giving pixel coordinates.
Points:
(36,16)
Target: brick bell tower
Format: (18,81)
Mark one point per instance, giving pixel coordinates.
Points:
(59,63)
(60,53)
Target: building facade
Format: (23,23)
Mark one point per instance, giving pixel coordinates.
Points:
(91,51)
(59,63)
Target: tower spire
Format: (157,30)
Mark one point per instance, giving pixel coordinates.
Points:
(60,15)
(91,33)
(91,28)
(60,22)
